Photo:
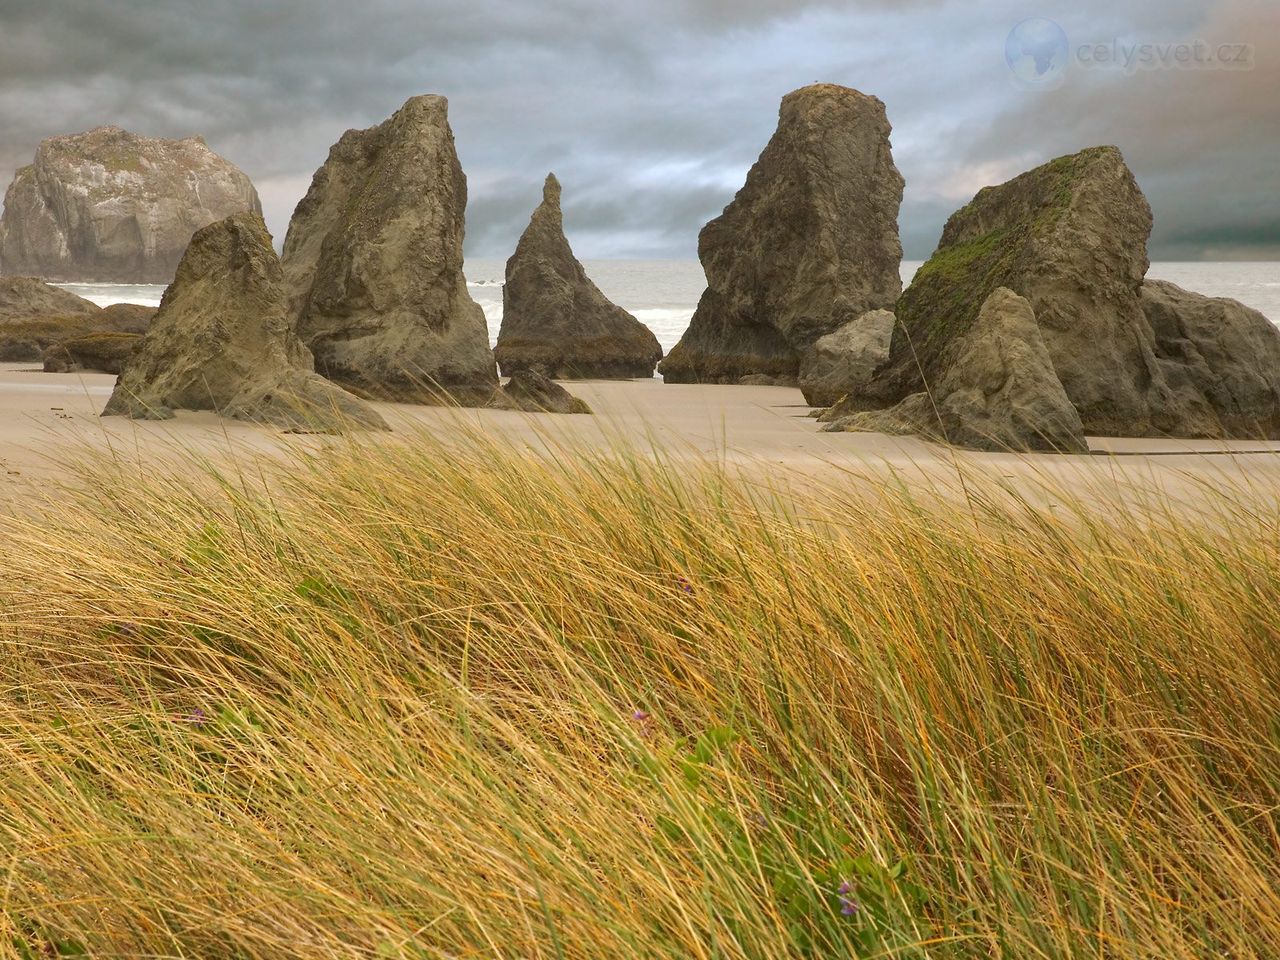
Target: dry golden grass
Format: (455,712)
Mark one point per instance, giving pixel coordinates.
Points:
(426,702)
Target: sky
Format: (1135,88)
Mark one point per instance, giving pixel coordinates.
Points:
(651,111)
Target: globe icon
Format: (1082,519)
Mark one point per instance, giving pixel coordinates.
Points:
(1036,51)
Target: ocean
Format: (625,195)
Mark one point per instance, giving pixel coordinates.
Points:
(663,293)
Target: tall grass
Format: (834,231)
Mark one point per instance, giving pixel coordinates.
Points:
(418,701)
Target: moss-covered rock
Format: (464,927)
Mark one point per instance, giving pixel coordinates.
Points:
(96,352)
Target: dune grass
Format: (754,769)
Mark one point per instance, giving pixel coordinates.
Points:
(417,701)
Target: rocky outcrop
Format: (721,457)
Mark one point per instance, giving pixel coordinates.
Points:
(35,316)
(96,352)
(23,298)
(1071,237)
(532,392)
(1220,357)
(555,321)
(845,361)
(1000,391)
(809,243)
(373,264)
(222,341)
(112,207)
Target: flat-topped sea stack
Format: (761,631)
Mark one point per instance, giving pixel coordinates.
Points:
(555,321)
(222,341)
(109,206)
(808,244)
(373,265)
(1134,358)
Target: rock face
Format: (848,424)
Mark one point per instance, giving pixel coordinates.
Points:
(531,392)
(999,393)
(555,320)
(1071,237)
(1221,357)
(373,264)
(98,352)
(22,298)
(809,243)
(109,206)
(222,341)
(844,361)
(1134,359)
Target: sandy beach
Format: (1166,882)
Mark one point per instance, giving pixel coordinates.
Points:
(49,423)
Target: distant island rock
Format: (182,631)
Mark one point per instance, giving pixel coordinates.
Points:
(222,341)
(1134,357)
(808,244)
(109,206)
(373,265)
(555,321)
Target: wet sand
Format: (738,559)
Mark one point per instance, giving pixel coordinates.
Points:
(50,422)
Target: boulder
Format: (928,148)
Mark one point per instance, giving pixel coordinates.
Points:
(97,352)
(845,360)
(109,206)
(532,392)
(808,244)
(222,341)
(555,320)
(373,265)
(999,393)
(1222,357)
(24,298)
(126,318)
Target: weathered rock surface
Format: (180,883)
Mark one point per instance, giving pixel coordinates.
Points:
(999,393)
(845,361)
(809,243)
(24,298)
(532,392)
(110,206)
(1071,237)
(222,341)
(97,352)
(373,264)
(555,320)
(1221,356)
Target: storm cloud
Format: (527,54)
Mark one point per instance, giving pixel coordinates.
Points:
(651,112)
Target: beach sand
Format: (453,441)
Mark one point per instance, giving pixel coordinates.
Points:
(49,425)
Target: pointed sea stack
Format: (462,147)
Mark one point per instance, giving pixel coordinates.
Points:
(221,341)
(373,263)
(555,321)
(809,243)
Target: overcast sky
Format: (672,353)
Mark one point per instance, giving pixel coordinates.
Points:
(651,111)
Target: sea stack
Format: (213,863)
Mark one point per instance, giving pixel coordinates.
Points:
(808,244)
(373,265)
(1134,359)
(109,206)
(555,321)
(222,341)
(1000,391)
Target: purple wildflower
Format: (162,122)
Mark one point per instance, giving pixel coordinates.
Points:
(684,584)
(198,717)
(127,628)
(848,904)
(640,716)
